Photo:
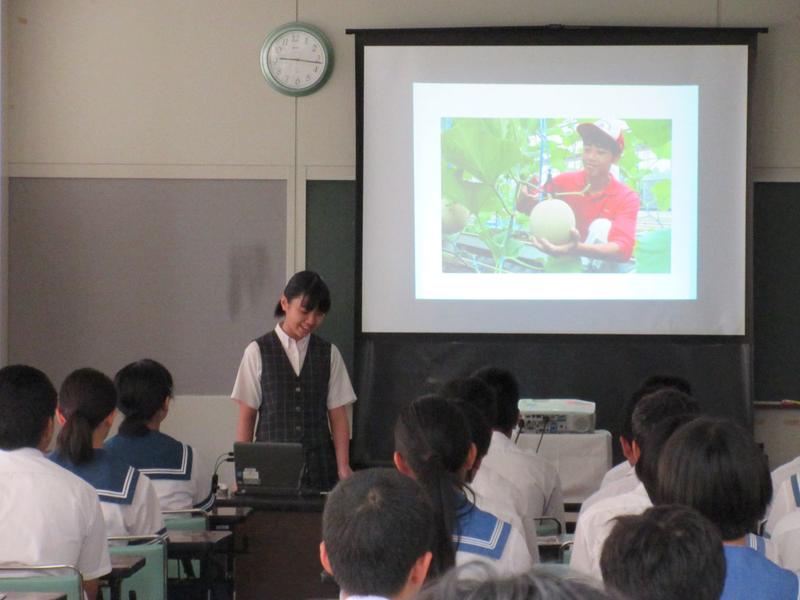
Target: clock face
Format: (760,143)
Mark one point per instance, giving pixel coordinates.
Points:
(295,61)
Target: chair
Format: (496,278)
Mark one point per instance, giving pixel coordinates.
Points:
(40,579)
(190,519)
(150,582)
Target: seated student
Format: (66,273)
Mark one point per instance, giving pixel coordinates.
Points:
(669,552)
(534,475)
(87,403)
(786,498)
(622,477)
(528,586)
(48,516)
(654,419)
(715,467)
(376,535)
(786,537)
(433,446)
(493,492)
(181,478)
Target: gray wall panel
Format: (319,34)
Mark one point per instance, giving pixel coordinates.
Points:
(103,272)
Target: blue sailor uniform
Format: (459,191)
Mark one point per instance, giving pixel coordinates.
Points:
(751,576)
(127,498)
(483,537)
(180,477)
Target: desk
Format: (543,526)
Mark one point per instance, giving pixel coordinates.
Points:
(226,517)
(198,545)
(122,567)
(283,556)
(580,458)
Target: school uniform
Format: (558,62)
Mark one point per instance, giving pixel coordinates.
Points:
(483,537)
(534,475)
(751,576)
(595,525)
(785,500)
(499,496)
(786,537)
(180,476)
(619,471)
(626,482)
(48,516)
(127,498)
(293,384)
(765,547)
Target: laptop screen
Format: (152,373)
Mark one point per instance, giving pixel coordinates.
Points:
(268,467)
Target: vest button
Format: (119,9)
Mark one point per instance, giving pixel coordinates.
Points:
(298,408)
(297,389)
(298,428)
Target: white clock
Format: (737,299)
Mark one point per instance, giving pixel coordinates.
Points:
(296,59)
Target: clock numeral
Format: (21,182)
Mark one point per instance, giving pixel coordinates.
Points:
(316,69)
(308,77)
(285,42)
(297,81)
(295,37)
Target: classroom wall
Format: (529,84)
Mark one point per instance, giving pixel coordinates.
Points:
(149,89)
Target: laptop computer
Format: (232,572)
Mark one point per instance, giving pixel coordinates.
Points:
(268,468)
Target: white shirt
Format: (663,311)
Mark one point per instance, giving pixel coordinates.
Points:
(594,526)
(141,517)
(623,484)
(247,388)
(619,471)
(499,496)
(785,500)
(786,536)
(534,475)
(48,516)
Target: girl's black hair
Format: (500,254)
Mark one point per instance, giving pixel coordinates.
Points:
(142,388)
(433,437)
(715,466)
(86,397)
(309,286)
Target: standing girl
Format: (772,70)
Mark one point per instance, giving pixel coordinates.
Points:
(292,386)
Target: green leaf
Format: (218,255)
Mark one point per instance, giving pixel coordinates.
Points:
(662,190)
(478,147)
(652,252)
(477,197)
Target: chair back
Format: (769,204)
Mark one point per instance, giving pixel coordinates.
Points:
(150,582)
(41,578)
(186,520)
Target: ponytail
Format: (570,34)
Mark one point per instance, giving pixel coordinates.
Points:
(142,388)
(85,399)
(433,438)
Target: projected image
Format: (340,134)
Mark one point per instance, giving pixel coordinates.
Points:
(586,194)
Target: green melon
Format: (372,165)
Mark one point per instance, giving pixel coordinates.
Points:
(552,220)
(454,218)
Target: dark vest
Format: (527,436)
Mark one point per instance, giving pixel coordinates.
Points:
(294,407)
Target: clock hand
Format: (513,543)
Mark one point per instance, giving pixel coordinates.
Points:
(313,62)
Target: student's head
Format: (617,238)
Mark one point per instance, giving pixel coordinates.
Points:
(474,391)
(480,432)
(653,446)
(377,533)
(648,386)
(144,388)
(478,582)
(86,401)
(303,305)
(654,408)
(669,552)
(27,407)
(434,446)
(506,391)
(716,467)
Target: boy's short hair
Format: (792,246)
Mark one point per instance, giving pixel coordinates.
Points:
(479,428)
(670,552)
(376,525)
(27,402)
(652,448)
(506,391)
(716,467)
(649,385)
(476,392)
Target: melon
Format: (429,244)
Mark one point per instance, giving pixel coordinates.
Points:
(552,220)
(454,218)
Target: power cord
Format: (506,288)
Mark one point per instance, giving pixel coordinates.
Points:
(222,458)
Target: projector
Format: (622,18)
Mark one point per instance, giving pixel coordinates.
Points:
(556,416)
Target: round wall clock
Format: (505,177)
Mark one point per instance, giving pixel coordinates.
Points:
(296,59)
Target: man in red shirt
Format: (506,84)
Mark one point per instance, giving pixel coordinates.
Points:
(605,208)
